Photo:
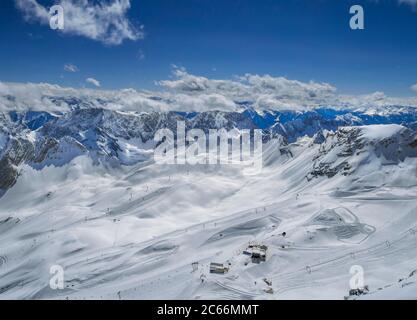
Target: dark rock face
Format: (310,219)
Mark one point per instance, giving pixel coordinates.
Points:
(326,169)
(42,151)
(19,151)
(319,137)
(345,146)
(413,144)
(344,143)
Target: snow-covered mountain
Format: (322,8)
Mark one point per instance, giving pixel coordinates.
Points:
(39,137)
(81,190)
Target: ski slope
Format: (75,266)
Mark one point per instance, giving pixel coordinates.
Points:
(133,231)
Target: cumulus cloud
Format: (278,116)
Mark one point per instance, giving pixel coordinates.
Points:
(282,87)
(94,82)
(56,99)
(414,87)
(261,90)
(247,85)
(105,21)
(186,92)
(69,67)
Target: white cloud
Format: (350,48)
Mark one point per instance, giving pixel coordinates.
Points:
(187,92)
(56,99)
(69,67)
(141,55)
(414,87)
(93,82)
(106,21)
(262,90)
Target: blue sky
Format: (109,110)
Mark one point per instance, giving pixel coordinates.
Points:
(298,39)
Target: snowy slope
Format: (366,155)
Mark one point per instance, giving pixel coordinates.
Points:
(89,197)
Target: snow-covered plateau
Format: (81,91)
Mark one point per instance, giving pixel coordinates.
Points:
(81,190)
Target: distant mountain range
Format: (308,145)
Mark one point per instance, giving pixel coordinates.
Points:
(41,138)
